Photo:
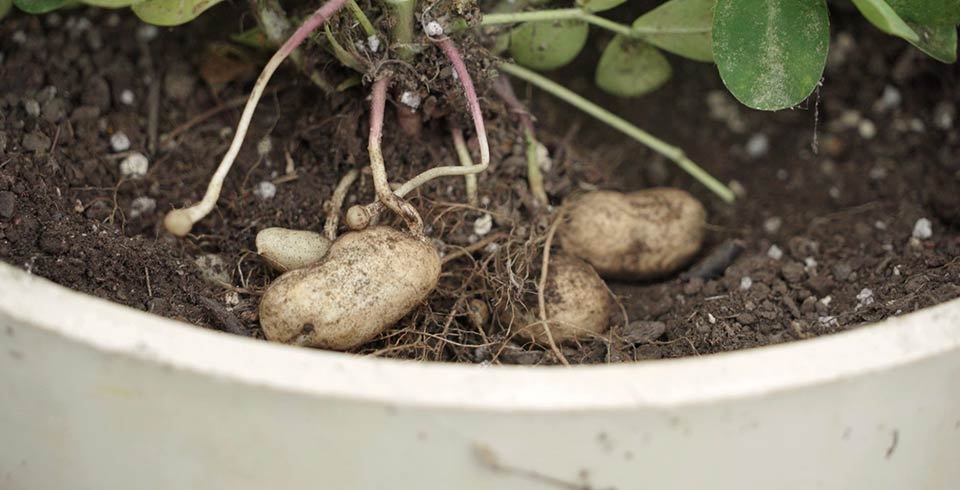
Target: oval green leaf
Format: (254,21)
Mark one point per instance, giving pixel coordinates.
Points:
(770,54)
(935,12)
(938,41)
(631,67)
(171,12)
(546,45)
(682,27)
(39,6)
(880,14)
(599,5)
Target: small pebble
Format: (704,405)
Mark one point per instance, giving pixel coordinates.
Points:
(483,225)
(433,29)
(826,300)
(758,145)
(745,283)
(793,272)
(119,141)
(878,173)
(134,166)
(834,192)
(782,174)
(264,146)
(712,319)
(147,32)
(923,229)
(265,190)
(867,129)
(865,297)
(810,262)
(773,224)
(880,225)
(829,321)
(35,141)
(141,206)
(373,42)
(850,118)
(232,298)
(32,107)
(213,268)
(126,97)
(774,252)
(943,115)
(8,201)
(410,99)
(737,188)
(890,99)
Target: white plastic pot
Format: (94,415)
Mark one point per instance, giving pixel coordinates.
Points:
(98,396)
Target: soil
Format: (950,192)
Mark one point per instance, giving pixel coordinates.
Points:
(831,192)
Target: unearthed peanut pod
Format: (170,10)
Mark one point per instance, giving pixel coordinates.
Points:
(287,250)
(640,235)
(576,300)
(368,281)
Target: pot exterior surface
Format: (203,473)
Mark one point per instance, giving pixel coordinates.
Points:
(97,396)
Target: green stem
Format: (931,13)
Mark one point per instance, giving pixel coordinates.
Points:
(403,16)
(534,176)
(622,125)
(558,14)
(361,18)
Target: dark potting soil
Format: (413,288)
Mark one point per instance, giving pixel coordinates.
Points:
(849,208)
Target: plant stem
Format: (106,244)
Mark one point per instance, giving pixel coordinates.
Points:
(403,16)
(473,103)
(358,216)
(273,21)
(361,18)
(534,177)
(180,221)
(558,14)
(463,154)
(378,96)
(616,122)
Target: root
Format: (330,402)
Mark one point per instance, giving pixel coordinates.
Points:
(542,286)
(336,204)
(180,221)
(361,217)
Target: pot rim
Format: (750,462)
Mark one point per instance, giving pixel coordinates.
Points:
(30,302)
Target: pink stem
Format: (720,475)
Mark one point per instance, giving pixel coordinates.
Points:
(314,21)
(378,168)
(473,102)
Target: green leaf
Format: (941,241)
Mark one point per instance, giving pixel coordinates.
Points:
(631,67)
(111,4)
(5,7)
(940,42)
(599,5)
(548,44)
(937,12)
(171,12)
(38,6)
(680,26)
(771,54)
(880,14)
